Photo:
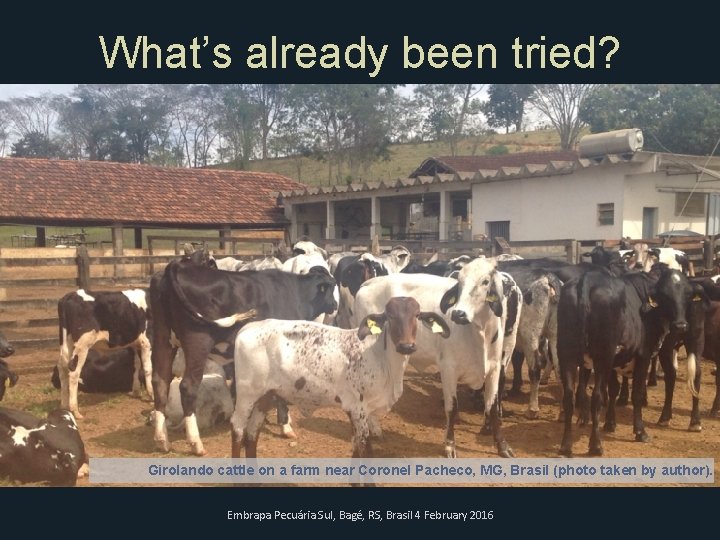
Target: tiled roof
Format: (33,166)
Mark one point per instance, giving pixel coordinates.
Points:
(456,164)
(525,165)
(95,191)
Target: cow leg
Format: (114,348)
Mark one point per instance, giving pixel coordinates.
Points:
(715,409)
(197,346)
(244,407)
(492,404)
(80,352)
(143,353)
(361,447)
(517,362)
(624,397)
(161,377)
(613,389)
(568,376)
(64,370)
(376,431)
(255,423)
(695,423)
(638,396)
(653,376)
(596,403)
(283,418)
(535,365)
(666,360)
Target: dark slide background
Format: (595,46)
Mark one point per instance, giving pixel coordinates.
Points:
(60,44)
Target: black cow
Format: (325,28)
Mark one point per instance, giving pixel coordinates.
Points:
(351,272)
(104,373)
(603,257)
(34,450)
(118,318)
(197,307)
(7,377)
(615,324)
(436,268)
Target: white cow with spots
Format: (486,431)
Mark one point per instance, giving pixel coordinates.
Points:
(305,247)
(115,319)
(314,365)
(487,306)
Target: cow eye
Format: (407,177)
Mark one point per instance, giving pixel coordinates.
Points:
(486,282)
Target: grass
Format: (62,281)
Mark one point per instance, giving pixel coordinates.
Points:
(405,158)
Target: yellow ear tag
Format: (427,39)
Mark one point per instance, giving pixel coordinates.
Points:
(374,328)
(491,298)
(652,302)
(436,328)
(7,383)
(451,301)
(697,298)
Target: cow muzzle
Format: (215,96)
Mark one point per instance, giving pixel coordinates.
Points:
(6,351)
(406,348)
(459,317)
(680,326)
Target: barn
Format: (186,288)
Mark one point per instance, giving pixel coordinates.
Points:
(41,193)
(521,197)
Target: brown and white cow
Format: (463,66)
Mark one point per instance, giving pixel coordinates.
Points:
(314,365)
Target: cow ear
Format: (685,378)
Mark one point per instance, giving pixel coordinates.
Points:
(699,295)
(450,298)
(494,300)
(649,305)
(435,323)
(372,324)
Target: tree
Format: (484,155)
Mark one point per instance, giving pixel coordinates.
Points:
(193,113)
(271,101)
(681,118)
(36,145)
(505,106)
(237,123)
(561,104)
(446,109)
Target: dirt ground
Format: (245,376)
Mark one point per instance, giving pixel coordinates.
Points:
(114,424)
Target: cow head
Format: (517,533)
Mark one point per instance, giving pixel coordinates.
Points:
(323,285)
(479,286)
(673,295)
(398,258)
(7,378)
(603,257)
(399,320)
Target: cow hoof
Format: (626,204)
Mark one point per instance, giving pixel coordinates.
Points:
(198,449)
(596,451)
(652,382)
(642,437)
(83,471)
(622,401)
(486,430)
(715,412)
(77,415)
(450,452)
(504,450)
(531,414)
(567,452)
(162,445)
(288,432)
(609,427)
(695,428)
(664,422)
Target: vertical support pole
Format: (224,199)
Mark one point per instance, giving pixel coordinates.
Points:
(375,227)
(224,233)
(445,216)
(330,220)
(40,240)
(117,241)
(83,268)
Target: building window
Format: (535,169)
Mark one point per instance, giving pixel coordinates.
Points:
(606,213)
(498,228)
(690,204)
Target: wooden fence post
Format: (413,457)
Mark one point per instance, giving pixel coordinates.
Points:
(83,268)
(709,254)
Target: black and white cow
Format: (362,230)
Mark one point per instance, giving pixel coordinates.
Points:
(104,373)
(86,319)
(7,377)
(615,324)
(351,273)
(197,307)
(34,450)
(315,365)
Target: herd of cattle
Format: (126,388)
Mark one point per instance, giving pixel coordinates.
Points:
(212,340)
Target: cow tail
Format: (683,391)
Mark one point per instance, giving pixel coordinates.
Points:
(61,319)
(555,287)
(691,371)
(171,275)
(583,295)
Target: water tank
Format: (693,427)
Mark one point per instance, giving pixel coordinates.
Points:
(622,141)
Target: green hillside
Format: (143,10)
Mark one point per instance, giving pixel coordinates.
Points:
(404,158)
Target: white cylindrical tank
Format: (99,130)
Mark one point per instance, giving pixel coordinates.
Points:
(622,141)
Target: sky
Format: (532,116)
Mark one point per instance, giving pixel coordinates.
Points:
(23,90)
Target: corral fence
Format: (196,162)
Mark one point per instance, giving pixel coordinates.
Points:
(32,280)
